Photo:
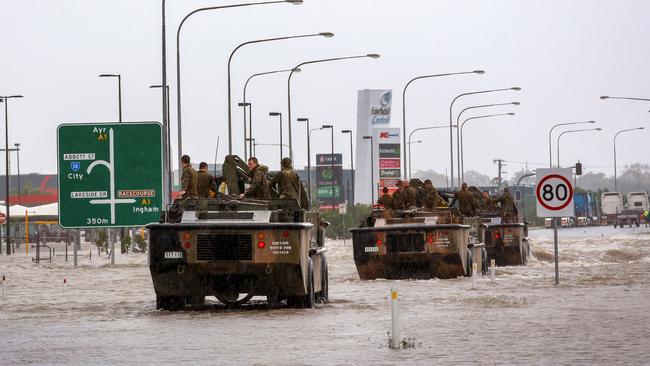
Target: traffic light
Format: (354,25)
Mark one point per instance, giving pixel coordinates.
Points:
(578,168)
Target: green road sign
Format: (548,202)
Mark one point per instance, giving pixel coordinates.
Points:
(110,174)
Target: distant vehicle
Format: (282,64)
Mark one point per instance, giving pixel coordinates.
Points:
(628,217)
(548,223)
(567,222)
(586,208)
(637,201)
(612,205)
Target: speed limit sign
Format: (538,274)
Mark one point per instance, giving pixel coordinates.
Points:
(554,192)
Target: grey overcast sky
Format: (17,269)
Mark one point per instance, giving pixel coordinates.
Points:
(564,54)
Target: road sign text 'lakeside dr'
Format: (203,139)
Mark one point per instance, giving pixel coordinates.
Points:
(110,174)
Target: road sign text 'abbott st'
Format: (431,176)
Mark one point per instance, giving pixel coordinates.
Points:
(110,175)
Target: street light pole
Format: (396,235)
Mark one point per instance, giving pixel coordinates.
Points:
(479,72)
(278,114)
(451,135)
(372,170)
(461,171)
(119,92)
(250,106)
(167,153)
(411,135)
(615,136)
(351,169)
(409,146)
(178,57)
(550,148)
(331,127)
(5,99)
(571,131)
(321,34)
(17,145)
(370,55)
(308,157)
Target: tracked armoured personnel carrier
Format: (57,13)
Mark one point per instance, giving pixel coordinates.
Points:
(235,248)
(416,244)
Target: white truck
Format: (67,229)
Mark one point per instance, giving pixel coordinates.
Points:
(611,205)
(637,203)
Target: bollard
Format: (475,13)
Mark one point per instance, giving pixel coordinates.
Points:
(4,288)
(493,269)
(394,341)
(90,255)
(474,270)
(65,283)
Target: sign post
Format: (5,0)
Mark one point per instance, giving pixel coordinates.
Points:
(554,194)
(110,174)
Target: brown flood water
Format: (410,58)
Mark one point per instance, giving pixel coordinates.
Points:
(600,314)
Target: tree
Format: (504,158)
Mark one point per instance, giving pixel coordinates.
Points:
(438,180)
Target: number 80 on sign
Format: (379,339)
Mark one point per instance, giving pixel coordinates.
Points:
(554,192)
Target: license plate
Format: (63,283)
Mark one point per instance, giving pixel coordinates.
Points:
(173,255)
(371,249)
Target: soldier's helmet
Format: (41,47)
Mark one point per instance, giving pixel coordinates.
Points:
(286,163)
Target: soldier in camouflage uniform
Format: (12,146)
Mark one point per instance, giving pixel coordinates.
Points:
(205,184)
(489,204)
(259,186)
(386,200)
(411,197)
(287,181)
(466,202)
(508,207)
(431,199)
(399,196)
(188,179)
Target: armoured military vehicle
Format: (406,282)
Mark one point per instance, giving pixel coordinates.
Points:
(417,244)
(235,248)
(506,239)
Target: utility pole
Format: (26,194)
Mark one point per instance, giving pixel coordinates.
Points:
(501,164)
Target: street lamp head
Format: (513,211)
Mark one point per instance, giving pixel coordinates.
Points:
(327,126)
(641,128)
(346,131)
(17,144)
(246,104)
(303,119)
(367,137)
(591,121)
(294,2)
(480,72)
(516,103)
(516,88)
(604,96)
(297,69)
(373,55)
(275,114)
(599,129)
(326,34)
(511,114)
(108,75)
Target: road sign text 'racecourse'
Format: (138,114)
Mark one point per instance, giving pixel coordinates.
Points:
(110,174)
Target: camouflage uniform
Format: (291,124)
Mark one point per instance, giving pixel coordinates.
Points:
(386,200)
(399,199)
(489,204)
(188,183)
(287,181)
(411,197)
(508,208)
(259,187)
(466,202)
(431,199)
(205,184)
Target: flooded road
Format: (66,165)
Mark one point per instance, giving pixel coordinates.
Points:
(598,315)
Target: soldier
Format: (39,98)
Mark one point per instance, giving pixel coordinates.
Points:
(466,202)
(188,179)
(287,181)
(411,196)
(508,207)
(431,199)
(259,187)
(399,196)
(386,199)
(489,204)
(205,184)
